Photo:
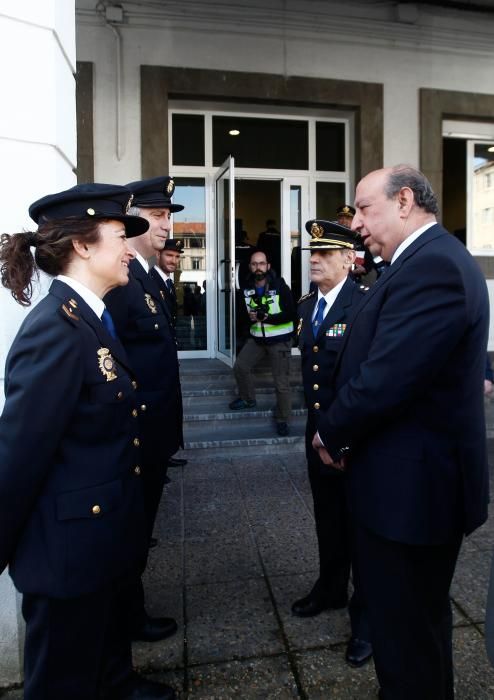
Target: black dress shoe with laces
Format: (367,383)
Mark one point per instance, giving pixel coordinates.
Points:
(177,462)
(139,688)
(154,629)
(358,652)
(314,603)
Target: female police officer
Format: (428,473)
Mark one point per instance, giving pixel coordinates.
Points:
(71,507)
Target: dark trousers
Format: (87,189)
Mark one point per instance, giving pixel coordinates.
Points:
(334,540)
(74,647)
(406,593)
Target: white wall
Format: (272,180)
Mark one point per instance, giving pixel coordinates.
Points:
(329,39)
(38,154)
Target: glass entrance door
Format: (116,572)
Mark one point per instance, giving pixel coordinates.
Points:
(225,257)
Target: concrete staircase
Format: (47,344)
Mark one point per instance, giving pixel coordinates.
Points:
(211,426)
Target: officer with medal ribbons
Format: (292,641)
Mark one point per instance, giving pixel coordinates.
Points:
(324,316)
(144,326)
(71,501)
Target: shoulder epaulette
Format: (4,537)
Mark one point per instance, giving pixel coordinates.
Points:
(68,310)
(306,296)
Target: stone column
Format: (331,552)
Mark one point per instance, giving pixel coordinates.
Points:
(37,156)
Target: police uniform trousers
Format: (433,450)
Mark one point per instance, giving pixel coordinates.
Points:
(334,540)
(279,357)
(75,647)
(406,592)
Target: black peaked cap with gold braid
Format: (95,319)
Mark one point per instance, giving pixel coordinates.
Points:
(329,235)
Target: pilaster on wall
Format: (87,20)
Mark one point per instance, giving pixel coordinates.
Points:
(159,84)
(38,156)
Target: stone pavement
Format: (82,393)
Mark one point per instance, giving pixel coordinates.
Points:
(236,547)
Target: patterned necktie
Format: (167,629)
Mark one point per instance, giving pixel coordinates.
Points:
(318,318)
(107,321)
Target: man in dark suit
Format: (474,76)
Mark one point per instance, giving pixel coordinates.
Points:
(144,326)
(168,259)
(324,317)
(408,424)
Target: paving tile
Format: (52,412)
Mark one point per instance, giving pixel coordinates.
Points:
(268,485)
(287,552)
(215,518)
(220,559)
(209,470)
(231,620)
(164,569)
(168,653)
(279,514)
(329,628)
(249,466)
(257,679)
(469,588)
(483,538)
(324,674)
(199,491)
(474,676)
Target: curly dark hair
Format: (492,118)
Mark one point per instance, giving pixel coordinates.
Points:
(53,251)
(408,176)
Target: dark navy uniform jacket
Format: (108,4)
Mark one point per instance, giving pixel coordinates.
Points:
(71,502)
(170,298)
(143,324)
(319,354)
(409,380)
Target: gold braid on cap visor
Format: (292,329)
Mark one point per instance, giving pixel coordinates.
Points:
(329,241)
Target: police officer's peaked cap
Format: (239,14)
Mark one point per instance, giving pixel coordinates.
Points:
(345,210)
(329,235)
(175,244)
(89,201)
(156,192)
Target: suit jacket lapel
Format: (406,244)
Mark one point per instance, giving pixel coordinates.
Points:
(150,285)
(64,292)
(337,310)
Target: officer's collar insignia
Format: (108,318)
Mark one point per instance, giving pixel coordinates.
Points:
(170,187)
(68,311)
(129,203)
(162,295)
(106,364)
(299,327)
(316,230)
(73,303)
(151,304)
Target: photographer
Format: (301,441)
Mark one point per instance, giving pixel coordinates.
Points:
(270,310)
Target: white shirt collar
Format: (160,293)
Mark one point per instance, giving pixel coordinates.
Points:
(91,299)
(330,297)
(162,274)
(143,261)
(410,239)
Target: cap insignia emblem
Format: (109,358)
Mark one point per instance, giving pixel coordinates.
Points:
(106,363)
(170,187)
(345,210)
(178,244)
(316,230)
(90,211)
(151,304)
(129,203)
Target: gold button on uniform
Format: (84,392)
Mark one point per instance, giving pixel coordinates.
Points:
(134,412)
(315,348)
(317,405)
(136,442)
(315,368)
(134,384)
(156,326)
(120,395)
(137,470)
(96,510)
(143,407)
(315,387)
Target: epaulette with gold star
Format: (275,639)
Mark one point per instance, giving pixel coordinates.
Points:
(68,310)
(306,296)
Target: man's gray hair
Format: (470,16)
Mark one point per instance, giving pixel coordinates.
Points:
(407,176)
(134,211)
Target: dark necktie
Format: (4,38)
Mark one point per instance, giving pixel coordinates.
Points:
(169,286)
(107,321)
(318,318)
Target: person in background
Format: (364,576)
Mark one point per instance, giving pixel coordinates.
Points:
(324,318)
(68,457)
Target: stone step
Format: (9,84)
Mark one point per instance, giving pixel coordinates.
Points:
(205,403)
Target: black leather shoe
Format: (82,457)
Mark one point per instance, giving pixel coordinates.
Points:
(141,689)
(315,603)
(177,462)
(358,652)
(155,628)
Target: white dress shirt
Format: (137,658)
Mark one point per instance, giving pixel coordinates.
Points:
(91,299)
(410,239)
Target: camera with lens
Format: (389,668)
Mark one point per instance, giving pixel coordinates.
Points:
(262,309)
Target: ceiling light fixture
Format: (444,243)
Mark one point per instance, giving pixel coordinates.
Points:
(491,149)
(234,132)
